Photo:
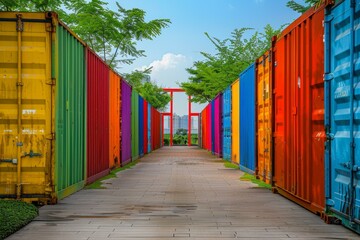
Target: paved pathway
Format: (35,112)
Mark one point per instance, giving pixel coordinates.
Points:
(178,193)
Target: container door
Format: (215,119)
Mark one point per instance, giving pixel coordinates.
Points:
(141,126)
(342,112)
(134,125)
(227,124)
(235,122)
(26,108)
(213,126)
(263,111)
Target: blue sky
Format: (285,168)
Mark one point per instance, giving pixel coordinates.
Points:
(181,43)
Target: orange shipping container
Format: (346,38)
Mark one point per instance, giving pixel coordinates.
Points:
(114,146)
(264,115)
(298,89)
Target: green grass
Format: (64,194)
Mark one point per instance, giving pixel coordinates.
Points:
(252,178)
(98,183)
(230,165)
(14,215)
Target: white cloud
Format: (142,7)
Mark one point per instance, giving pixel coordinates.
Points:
(168,61)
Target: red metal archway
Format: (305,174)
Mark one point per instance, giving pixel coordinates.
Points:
(170,114)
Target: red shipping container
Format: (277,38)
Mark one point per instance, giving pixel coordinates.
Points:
(155,129)
(208,127)
(97,117)
(145,127)
(298,102)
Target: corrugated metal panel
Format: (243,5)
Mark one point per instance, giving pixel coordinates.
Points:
(200,130)
(247,120)
(227,124)
(149,128)
(212,125)
(43,171)
(134,125)
(125,123)
(235,122)
(145,137)
(218,125)
(141,126)
(114,141)
(97,117)
(70,144)
(299,111)
(264,116)
(155,129)
(342,86)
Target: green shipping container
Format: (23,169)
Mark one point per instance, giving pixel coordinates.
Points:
(42,124)
(134,125)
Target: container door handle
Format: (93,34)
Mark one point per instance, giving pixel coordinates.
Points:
(32,154)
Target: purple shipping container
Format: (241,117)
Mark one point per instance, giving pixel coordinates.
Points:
(218,125)
(125,123)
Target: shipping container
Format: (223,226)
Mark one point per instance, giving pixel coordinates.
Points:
(235,122)
(200,130)
(114,141)
(97,117)
(145,137)
(156,132)
(208,129)
(298,101)
(226,119)
(342,121)
(149,128)
(43,95)
(203,128)
(218,125)
(212,107)
(125,121)
(264,117)
(134,125)
(247,120)
(141,126)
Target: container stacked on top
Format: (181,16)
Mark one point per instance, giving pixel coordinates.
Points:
(277,107)
(64,114)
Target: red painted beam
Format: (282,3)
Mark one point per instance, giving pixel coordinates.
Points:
(173,90)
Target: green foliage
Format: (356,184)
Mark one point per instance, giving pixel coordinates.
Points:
(213,74)
(252,178)
(150,91)
(14,215)
(230,165)
(181,131)
(297,7)
(98,184)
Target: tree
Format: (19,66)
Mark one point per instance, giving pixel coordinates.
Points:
(297,7)
(112,34)
(213,74)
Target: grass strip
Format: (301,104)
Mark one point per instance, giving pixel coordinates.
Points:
(252,178)
(98,183)
(230,165)
(15,215)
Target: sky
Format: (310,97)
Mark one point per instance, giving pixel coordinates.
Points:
(180,44)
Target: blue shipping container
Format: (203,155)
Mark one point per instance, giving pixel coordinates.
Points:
(227,123)
(342,112)
(141,126)
(212,126)
(247,120)
(149,128)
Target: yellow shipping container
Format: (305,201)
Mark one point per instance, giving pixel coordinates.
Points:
(263,112)
(235,123)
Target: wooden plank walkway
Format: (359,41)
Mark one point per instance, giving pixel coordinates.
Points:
(175,193)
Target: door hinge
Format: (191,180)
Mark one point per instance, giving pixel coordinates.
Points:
(51,28)
(19,23)
(52,81)
(50,136)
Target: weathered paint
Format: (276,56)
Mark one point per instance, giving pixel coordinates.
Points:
(125,135)
(342,90)
(145,137)
(114,141)
(226,119)
(141,126)
(40,95)
(298,102)
(264,116)
(134,125)
(97,117)
(235,122)
(149,128)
